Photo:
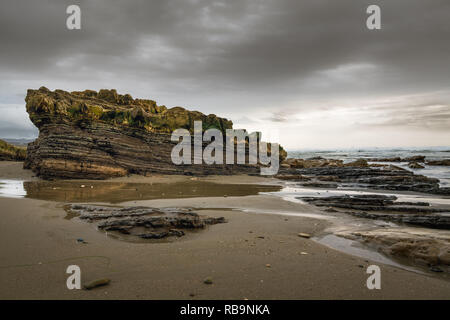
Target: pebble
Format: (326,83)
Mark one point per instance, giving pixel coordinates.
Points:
(208,281)
(97,283)
(436,269)
(304,235)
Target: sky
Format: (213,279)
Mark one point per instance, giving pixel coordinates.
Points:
(307,73)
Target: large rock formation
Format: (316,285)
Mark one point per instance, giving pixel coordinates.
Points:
(10,152)
(104,134)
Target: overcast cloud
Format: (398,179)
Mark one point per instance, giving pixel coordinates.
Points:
(307,69)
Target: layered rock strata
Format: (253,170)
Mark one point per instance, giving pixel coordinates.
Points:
(103,134)
(417,244)
(144,222)
(387,208)
(330,173)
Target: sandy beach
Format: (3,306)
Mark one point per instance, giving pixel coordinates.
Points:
(255,255)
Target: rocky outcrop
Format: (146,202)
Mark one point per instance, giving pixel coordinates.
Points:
(382,207)
(104,134)
(315,162)
(9,152)
(418,158)
(144,222)
(392,159)
(420,245)
(445,162)
(359,174)
(415,165)
(292,177)
(415,243)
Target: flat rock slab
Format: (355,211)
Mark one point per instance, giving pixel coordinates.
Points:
(328,173)
(430,246)
(144,222)
(386,208)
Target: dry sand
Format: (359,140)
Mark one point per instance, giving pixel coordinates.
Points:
(38,242)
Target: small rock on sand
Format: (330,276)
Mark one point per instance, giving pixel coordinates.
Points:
(96,283)
(208,280)
(304,235)
(436,269)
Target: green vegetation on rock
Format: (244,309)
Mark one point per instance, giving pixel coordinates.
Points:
(79,108)
(11,153)
(45,106)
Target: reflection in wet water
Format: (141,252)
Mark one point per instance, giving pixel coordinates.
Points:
(357,249)
(116,192)
(291,192)
(12,188)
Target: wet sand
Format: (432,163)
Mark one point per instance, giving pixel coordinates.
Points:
(39,242)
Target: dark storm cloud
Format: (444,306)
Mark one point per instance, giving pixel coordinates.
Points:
(227,56)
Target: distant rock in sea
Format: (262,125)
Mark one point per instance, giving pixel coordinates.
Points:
(332,173)
(104,134)
(444,162)
(418,158)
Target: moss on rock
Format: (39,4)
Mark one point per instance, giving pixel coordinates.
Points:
(10,152)
(45,106)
